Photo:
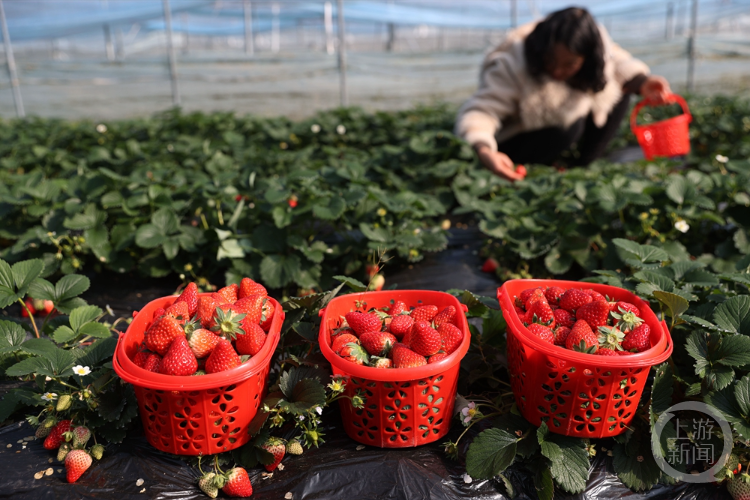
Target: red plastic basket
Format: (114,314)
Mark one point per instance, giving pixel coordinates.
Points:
(404,406)
(195,415)
(666,138)
(578,394)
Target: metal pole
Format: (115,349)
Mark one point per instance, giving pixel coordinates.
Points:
(108,47)
(669,28)
(691,46)
(328,23)
(249,45)
(11,64)
(513,13)
(275,35)
(342,53)
(171,54)
(119,44)
(185,33)
(391,33)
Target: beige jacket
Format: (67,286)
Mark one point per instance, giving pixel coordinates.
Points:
(509,100)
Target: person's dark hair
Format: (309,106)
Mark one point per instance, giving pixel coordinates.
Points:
(577,31)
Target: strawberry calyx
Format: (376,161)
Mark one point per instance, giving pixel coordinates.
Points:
(228,323)
(583,348)
(626,320)
(610,337)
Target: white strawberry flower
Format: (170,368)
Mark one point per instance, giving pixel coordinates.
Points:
(319,410)
(722,158)
(682,226)
(467,478)
(81,370)
(101,128)
(315,128)
(49,396)
(341,130)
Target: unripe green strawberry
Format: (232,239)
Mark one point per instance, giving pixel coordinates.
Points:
(207,484)
(294,447)
(64,402)
(97,451)
(42,431)
(62,451)
(81,435)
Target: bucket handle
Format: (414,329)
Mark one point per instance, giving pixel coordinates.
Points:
(671,98)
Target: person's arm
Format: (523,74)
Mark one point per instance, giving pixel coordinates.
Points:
(498,163)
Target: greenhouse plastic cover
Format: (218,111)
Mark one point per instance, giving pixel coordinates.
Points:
(49,19)
(339,469)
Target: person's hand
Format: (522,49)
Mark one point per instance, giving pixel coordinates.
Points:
(498,163)
(656,89)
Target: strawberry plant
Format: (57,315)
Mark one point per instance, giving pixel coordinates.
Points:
(70,394)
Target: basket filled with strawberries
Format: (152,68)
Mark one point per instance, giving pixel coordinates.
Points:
(199,365)
(401,352)
(579,353)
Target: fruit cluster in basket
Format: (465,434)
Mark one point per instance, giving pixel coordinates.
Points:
(583,320)
(207,333)
(397,336)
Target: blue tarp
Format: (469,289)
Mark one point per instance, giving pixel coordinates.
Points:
(49,19)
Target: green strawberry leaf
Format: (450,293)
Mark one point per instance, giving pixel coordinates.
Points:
(733,315)
(12,336)
(306,395)
(352,283)
(661,391)
(491,452)
(290,378)
(568,457)
(69,287)
(81,315)
(675,304)
(635,465)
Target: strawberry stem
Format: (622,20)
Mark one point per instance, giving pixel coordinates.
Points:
(31,317)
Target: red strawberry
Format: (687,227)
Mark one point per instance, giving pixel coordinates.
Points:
(277,448)
(363,322)
(424,313)
(229,292)
(739,487)
(596,296)
(540,312)
(252,307)
(424,339)
(622,306)
(377,343)
(376,362)
(606,351)
(354,353)
(161,334)
(638,339)
(179,311)
(564,318)
(250,287)
(530,293)
(252,341)
(237,483)
(158,313)
(341,340)
(520,312)
(153,363)
(490,265)
(436,358)
(553,295)
(451,337)
(179,359)
(219,299)
(397,308)
(189,296)
(625,353)
(574,298)
(447,315)
(561,334)
(595,313)
(401,325)
(205,310)
(542,332)
(267,318)
(202,342)
(222,358)
(76,463)
(581,333)
(403,357)
(55,437)
(140,358)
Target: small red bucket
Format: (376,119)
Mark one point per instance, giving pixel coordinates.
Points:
(670,137)
(577,394)
(404,407)
(195,415)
